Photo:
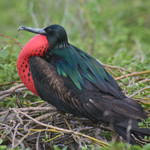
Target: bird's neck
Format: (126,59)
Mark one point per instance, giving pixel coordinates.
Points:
(60,45)
(37,46)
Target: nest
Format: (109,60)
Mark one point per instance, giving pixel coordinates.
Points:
(42,127)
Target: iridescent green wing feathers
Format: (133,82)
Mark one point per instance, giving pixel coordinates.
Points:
(85,71)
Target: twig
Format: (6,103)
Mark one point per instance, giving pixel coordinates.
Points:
(111,72)
(15,110)
(115,67)
(4,49)
(132,74)
(139,91)
(65,130)
(67,124)
(35,108)
(20,141)
(20,89)
(11,90)
(3,112)
(41,117)
(8,83)
(14,136)
(7,132)
(8,37)
(40,130)
(3,96)
(37,141)
(145,80)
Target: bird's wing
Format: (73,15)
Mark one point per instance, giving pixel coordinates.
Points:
(61,92)
(67,97)
(85,71)
(53,88)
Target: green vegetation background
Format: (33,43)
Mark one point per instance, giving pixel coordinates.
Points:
(116,32)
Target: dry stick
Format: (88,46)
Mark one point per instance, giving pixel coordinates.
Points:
(111,72)
(37,141)
(145,80)
(139,91)
(65,130)
(3,96)
(11,90)
(8,83)
(69,127)
(14,136)
(132,74)
(21,140)
(3,112)
(113,67)
(21,89)
(5,126)
(40,130)
(8,37)
(41,118)
(16,111)
(138,79)
(125,75)
(9,130)
(35,108)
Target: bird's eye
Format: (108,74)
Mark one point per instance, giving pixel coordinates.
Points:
(49,30)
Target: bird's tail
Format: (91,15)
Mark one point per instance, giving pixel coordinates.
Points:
(132,133)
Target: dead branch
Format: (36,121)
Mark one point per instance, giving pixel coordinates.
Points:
(133,74)
(8,37)
(114,67)
(8,83)
(139,91)
(11,90)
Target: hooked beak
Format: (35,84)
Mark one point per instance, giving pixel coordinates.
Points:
(33,30)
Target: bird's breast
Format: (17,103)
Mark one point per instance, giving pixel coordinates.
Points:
(37,46)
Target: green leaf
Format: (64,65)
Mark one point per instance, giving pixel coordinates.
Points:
(56,147)
(1,141)
(65,148)
(46,136)
(3,147)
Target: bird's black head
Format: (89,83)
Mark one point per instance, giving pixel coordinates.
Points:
(55,34)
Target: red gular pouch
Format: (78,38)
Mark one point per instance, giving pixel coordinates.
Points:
(37,46)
